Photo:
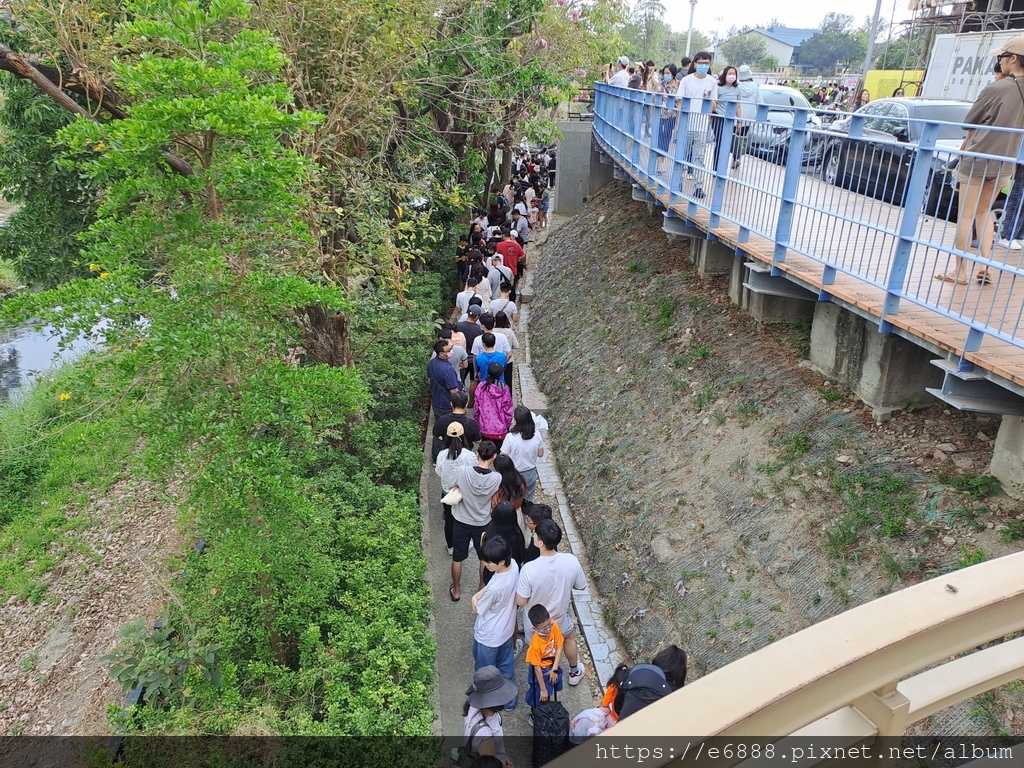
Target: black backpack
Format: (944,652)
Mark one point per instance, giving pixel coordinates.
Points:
(550,731)
(645,684)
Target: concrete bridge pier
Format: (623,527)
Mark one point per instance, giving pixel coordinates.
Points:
(581,172)
(711,257)
(885,371)
(1008,457)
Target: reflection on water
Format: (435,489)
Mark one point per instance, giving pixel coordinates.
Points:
(26,354)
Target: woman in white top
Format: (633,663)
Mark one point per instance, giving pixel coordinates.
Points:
(524,445)
(453,455)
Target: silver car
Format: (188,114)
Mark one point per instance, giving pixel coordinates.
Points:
(771,139)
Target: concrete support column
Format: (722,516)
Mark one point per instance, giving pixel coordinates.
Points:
(1008,457)
(769,308)
(886,372)
(738,295)
(580,170)
(711,257)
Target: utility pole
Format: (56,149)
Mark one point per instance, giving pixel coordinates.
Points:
(871,42)
(689,32)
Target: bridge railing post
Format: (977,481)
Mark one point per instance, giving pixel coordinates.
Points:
(911,213)
(790,187)
(721,160)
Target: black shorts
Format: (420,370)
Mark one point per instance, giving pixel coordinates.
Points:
(462,534)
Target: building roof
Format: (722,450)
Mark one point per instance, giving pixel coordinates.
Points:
(788,35)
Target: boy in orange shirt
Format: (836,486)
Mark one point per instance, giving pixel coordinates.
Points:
(543,657)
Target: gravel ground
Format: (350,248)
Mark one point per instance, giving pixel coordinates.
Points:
(113,571)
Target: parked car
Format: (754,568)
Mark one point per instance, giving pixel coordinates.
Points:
(771,140)
(880,165)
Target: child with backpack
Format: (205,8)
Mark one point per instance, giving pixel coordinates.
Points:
(482,726)
(543,657)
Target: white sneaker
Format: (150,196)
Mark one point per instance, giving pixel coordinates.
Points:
(575,675)
(518,648)
(1013,245)
(450,551)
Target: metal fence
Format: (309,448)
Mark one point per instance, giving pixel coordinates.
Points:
(878,201)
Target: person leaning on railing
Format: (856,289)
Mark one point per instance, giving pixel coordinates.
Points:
(979,179)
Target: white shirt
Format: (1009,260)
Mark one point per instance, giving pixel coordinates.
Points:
(445,468)
(496,609)
(549,580)
(504,305)
(522,452)
(620,78)
(491,729)
(695,90)
(529,194)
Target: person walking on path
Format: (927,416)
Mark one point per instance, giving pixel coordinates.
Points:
(471,430)
(523,444)
(444,382)
(477,485)
(495,608)
(493,407)
(728,90)
(549,581)
(454,454)
(750,97)
(694,90)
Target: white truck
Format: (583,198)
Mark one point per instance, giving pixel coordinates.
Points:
(960,66)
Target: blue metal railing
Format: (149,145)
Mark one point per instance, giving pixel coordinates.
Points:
(881,210)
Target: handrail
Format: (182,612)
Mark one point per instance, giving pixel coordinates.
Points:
(861,659)
(899,219)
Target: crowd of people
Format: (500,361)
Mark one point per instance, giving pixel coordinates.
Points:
(485,449)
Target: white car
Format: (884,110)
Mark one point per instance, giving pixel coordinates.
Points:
(771,139)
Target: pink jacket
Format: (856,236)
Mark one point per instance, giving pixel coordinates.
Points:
(493,408)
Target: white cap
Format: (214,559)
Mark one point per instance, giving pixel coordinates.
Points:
(624,61)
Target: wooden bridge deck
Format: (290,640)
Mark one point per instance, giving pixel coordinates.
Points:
(752,195)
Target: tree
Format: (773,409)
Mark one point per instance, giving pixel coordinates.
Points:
(747,48)
(836,44)
(648,15)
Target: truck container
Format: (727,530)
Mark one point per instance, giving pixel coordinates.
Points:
(960,66)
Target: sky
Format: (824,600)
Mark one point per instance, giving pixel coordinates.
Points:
(792,13)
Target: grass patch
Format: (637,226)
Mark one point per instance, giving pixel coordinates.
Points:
(832,394)
(970,556)
(1013,530)
(975,486)
(704,397)
(664,308)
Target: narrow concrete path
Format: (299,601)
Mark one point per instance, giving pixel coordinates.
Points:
(452,623)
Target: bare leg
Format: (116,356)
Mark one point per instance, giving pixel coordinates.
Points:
(973,210)
(572,652)
(456,580)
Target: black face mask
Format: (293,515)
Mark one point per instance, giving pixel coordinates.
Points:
(498,708)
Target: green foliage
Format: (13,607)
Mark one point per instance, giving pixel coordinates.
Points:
(970,556)
(881,500)
(54,205)
(975,486)
(160,659)
(1012,530)
(10,281)
(747,48)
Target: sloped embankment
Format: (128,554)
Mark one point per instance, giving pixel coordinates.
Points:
(728,496)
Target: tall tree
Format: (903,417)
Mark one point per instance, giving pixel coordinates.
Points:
(748,48)
(648,15)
